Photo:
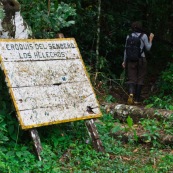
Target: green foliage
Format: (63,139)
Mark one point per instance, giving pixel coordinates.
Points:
(129,121)
(67,147)
(110,99)
(3,130)
(152,128)
(166,81)
(2,14)
(47,21)
(167,124)
(115,23)
(165,161)
(130,127)
(164,98)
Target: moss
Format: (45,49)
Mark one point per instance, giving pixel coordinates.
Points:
(2,13)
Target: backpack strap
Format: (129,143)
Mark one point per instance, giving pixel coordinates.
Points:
(140,37)
(141,34)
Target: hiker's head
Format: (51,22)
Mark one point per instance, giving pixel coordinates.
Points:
(136,26)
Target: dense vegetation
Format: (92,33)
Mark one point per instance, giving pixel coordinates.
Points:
(67,147)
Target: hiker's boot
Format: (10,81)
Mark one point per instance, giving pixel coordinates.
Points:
(137,99)
(130,100)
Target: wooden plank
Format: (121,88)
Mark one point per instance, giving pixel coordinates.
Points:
(54,115)
(39,49)
(35,73)
(47,96)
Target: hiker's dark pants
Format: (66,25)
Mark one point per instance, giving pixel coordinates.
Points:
(136,71)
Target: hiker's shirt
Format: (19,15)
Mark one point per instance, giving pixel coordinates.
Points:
(145,44)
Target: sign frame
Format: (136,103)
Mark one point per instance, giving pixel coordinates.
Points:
(11,91)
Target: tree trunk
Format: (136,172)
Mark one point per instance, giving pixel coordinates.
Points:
(12,24)
(139,134)
(124,132)
(98,35)
(121,112)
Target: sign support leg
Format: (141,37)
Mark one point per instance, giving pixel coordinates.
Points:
(37,143)
(92,130)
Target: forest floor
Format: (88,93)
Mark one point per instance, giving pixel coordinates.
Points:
(142,152)
(119,92)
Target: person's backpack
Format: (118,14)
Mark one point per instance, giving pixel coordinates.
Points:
(133,50)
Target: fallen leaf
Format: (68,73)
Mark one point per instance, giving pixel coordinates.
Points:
(125,158)
(136,150)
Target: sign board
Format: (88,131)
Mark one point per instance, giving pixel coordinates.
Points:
(47,81)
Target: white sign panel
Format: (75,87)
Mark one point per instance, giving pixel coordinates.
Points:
(48,81)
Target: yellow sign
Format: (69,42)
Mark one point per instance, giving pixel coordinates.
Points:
(48,81)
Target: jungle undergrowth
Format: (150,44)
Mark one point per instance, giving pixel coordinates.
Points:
(68,148)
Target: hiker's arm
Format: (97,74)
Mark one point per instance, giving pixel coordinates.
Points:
(124,60)
(147,43)
(151,37)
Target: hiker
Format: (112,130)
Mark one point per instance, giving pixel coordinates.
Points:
(135,62)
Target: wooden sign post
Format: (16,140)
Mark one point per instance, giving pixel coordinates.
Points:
(47,81)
